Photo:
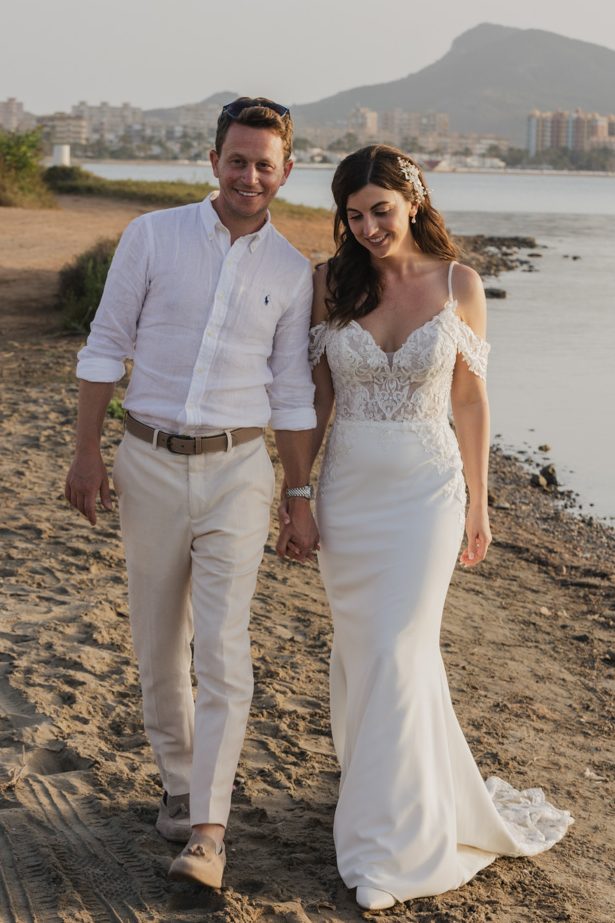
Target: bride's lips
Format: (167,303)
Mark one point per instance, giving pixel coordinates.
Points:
(376,241)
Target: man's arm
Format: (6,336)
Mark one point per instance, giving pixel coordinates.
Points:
(87,476)
(295,451)
(101,364)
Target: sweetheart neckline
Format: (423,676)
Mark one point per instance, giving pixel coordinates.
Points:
(449,303)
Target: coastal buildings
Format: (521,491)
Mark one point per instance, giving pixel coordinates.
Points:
(13,116)
(576,131)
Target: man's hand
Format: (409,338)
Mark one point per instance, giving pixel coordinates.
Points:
(86,479)
(298,537)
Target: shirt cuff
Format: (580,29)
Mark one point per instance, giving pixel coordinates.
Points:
(297,419)
(97,369)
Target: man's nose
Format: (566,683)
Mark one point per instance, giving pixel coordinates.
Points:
(250,174)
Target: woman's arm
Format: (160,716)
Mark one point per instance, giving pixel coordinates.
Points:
(321,374)
(323,404)
(471,415)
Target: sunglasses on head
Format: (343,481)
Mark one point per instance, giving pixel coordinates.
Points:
(235,108)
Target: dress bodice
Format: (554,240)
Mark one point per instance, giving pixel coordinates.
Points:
(413,383)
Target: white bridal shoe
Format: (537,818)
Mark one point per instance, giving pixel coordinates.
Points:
(373,899)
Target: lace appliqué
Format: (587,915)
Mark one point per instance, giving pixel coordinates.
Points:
(412,387)
(533,823)
(474,350)
(317,343)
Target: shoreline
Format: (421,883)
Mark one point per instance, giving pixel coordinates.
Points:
(527,642)
(506,171)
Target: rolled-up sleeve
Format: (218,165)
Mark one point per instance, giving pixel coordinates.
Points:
(291,392)
(113,332)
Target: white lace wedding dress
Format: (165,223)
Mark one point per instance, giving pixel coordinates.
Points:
(414,816)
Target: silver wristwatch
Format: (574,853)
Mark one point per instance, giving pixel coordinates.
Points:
(306,492)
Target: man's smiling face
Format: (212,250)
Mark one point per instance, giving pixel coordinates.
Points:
(250,169)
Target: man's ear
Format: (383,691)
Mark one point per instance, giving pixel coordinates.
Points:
(287,168)
(214,159)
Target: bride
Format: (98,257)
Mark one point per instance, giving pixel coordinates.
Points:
(398,332)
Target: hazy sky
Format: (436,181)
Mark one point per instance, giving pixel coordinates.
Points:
(165,52)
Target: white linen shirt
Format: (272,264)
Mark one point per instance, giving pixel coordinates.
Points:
(218,333)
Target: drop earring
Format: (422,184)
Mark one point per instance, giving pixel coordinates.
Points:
(413,219)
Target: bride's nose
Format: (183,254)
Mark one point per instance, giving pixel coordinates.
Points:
(370,225)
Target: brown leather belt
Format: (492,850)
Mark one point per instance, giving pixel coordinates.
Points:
(191,445)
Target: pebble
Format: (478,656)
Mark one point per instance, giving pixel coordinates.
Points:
(549,474)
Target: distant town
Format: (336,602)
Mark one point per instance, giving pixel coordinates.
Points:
(561,139)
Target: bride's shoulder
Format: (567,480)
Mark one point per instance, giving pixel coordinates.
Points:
(469,293)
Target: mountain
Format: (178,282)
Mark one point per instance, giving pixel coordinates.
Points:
(216,99)
(488,82)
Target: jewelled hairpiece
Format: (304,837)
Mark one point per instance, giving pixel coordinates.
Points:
(411,173)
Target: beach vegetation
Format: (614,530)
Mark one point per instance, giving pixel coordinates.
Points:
(77,181)
(21,183)
(115,409)
(82,283)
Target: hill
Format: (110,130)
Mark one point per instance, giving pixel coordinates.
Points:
(488,82)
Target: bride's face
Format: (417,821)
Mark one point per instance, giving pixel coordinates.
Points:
(380,219)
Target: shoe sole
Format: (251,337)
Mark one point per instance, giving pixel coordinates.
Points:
(184,872)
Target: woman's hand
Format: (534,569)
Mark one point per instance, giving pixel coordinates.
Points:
(478,535)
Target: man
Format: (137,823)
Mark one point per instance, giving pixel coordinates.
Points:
(213,306)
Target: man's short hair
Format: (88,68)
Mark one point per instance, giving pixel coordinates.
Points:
(257,112)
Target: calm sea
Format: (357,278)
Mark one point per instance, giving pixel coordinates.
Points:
(552,369)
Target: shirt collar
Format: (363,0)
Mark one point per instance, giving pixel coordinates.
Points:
(213,224)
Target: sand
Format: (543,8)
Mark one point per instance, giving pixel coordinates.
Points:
(527,640)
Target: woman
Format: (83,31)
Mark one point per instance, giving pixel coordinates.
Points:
(398,329)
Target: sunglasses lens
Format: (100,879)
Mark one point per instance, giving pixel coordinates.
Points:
(234,109)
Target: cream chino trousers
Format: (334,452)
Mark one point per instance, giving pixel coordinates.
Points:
(194,529)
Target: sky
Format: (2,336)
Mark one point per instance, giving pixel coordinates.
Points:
(154,53)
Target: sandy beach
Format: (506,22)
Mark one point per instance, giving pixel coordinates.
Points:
(527,641)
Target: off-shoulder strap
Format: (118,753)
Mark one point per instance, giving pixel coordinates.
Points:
(473,348)
(317,343)
(450,279)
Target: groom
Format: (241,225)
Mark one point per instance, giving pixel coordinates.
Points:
(212,304)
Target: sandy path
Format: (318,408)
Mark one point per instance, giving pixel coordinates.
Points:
(528,643)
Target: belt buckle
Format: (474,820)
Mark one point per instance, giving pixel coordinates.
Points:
(182,439)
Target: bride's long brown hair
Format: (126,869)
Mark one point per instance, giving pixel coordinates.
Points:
(354,286)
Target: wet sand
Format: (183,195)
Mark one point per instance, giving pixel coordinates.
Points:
(527,640)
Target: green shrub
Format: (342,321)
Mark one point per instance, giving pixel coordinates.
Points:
(75,181)
(82,283)
(21,182)
(115,410)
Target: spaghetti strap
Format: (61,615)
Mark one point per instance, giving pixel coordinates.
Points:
(450,279)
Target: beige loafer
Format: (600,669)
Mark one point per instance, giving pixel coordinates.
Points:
(201,861)
(173,821)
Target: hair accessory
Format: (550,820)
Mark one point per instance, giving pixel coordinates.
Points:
(235,108)
(411,173)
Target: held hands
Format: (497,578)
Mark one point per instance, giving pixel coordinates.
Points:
(298,538)
(86,479)
(478,535)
